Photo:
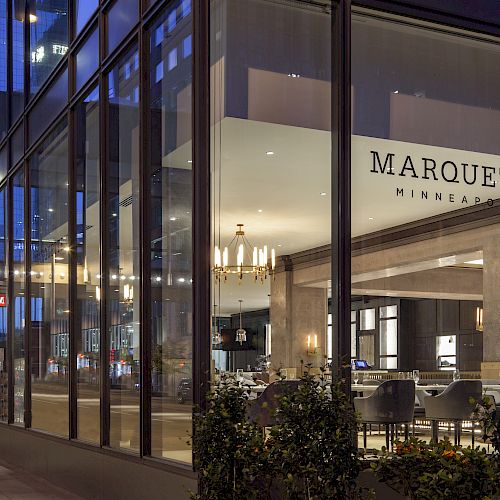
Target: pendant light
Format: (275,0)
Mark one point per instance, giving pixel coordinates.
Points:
(241,334)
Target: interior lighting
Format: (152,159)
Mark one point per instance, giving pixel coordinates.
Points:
(241,334)
(479,319)
(312,344)
(269,153)
(245,259)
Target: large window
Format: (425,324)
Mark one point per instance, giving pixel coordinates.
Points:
(17,96)
(4,274)
(88,275)
(271,164)
(18,248)
(48,38)
(170,185)
(3,69)
(123,293)
(48,275)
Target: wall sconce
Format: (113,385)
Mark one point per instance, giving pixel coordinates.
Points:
(312,344)
(479,319)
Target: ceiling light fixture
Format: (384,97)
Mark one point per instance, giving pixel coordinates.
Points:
(269,153)
(241,334)
(239,246)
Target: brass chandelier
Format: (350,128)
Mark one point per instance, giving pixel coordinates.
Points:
(240,258)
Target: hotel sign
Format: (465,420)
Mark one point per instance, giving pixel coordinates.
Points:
(397,182)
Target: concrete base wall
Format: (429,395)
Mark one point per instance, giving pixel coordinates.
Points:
(490,370)
(93,474)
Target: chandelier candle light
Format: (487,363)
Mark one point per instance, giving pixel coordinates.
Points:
(239,245)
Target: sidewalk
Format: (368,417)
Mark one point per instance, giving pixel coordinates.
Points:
(20,485)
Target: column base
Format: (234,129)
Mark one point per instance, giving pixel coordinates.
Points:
(490,370)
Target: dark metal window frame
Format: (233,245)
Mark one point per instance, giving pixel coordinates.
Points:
(341,242)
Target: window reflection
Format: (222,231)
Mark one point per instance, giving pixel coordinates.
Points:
(48,38)
(123,250)
(4,273)
(87,59)
(17,96)
(49,283)
(88,266)
(18,248)
(84,10)
(170,208)
(3,68)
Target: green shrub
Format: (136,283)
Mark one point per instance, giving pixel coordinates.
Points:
(435,471)
(310,453)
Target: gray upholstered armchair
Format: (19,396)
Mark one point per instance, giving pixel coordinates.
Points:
(265,414)
(453,404)
(393,402)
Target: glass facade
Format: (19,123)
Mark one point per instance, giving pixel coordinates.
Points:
(100,337)
(87,238)
(48,282)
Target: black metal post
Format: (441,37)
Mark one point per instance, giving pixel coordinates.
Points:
(341,191)
(201,202)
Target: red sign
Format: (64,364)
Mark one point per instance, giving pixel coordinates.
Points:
(3,300)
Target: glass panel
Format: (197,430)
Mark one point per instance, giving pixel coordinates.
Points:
(367,348)
(388,311)
(17,96)
(84,11)
(18,249)
(3,69)
(121,17)
(88,266)
(49,283)
(389,337)
(446,352)
(48,107)
(271,172)
(353,340)
(17,145)
(87,60)
(48,38)
(389,363)
(367,319)
(171,247)
(4,274)
(123,252)
(425,181)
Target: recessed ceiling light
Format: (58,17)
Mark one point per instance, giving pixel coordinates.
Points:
(260,210)
(322,193)
(370,218)
(279,245)
(269,153)
(173,218)
(50,210)
(181,280)
(190,161)
(395,91)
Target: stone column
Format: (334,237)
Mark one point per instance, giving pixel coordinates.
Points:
(296,312)
(490,367)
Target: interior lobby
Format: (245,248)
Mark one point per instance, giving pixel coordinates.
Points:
(424,219)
